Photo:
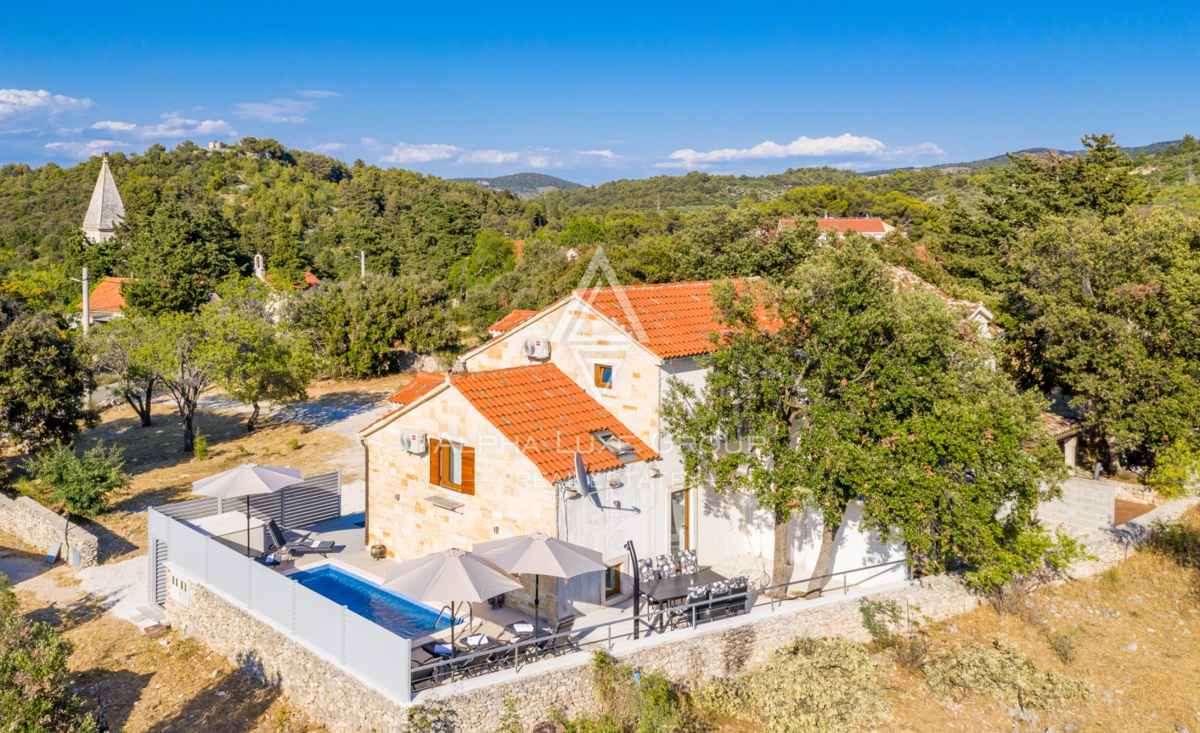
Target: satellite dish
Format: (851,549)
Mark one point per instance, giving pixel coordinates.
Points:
(581,476)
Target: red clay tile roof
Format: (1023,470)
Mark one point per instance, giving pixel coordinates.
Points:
(107,296)
(906,280)
(1059,426)
(670,320)
(548,417)
(512,320)
(518,244)
(417,387)
(863,226)
(311,279)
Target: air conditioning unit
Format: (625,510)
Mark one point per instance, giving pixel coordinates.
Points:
(537,348)
(414,442)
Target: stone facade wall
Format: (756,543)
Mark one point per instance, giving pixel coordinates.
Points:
(345,704)
(39,527)
(312,683)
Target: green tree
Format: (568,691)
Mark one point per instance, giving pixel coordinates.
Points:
(853,391)
(176,258)
(43,380)
(123,348)
(1107,310)
(493,255)
(183,359)
(83,483)
(360,326)
(253,358)
(35,682)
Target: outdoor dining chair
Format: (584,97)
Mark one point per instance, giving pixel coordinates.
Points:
(721,605)
(646,571)
(687,562)
(684,615)
(666,566)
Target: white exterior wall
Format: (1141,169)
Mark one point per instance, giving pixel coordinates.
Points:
(732,534)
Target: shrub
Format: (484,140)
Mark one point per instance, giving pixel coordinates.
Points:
(82,483)
(631,700)
(1031,560)
(1175,470)
(1063,646)
(293,444)
(1001,673)
(510,719)
(1179,541)
(826,685)
(879,618)
(911,651)
(35,685)
(200,447)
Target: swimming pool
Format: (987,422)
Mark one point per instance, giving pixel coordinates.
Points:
(394,612)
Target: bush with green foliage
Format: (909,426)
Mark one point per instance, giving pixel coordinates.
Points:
(1176,470)
(35,683)
(1028,562)
(812,685)
(43,378)
(631,701)
(1000,672)
(83,483)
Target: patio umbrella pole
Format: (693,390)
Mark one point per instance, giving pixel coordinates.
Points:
(537,589)
(247,525)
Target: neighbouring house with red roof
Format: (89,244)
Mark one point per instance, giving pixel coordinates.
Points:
(489,451)
(509,322)
(867,226)
(105,301)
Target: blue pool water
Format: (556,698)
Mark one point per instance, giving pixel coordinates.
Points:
(394,612)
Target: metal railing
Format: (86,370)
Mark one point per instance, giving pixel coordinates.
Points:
(515,654)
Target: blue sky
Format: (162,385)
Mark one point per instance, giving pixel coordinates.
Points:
(596,93)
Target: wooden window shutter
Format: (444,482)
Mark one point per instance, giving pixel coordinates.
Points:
(468,470)
(435,462)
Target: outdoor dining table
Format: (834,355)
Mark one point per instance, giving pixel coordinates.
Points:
(665,591)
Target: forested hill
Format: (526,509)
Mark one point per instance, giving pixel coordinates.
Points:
(1002,159)
(525,185)
(286,204)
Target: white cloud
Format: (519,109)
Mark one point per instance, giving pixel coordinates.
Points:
(607,154)
(328,147)
(178,127)
(277,110)
(802,147)
(406,153)
(86,149)
(317,94)
(114,126)
(489,157)
(26,102)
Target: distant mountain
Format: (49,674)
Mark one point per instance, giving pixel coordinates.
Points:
(975,165)
(525,185)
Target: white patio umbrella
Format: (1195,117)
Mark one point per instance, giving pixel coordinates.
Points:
(540,554)
(248,479)
(450,577)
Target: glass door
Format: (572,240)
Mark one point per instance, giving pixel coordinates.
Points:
(681,513)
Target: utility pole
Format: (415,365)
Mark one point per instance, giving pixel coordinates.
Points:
(87,308)
(362,264)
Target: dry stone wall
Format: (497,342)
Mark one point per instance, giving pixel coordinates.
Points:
(39,527)
(344,704)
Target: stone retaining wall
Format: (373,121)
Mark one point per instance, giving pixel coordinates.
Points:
(39,527)
(344,704)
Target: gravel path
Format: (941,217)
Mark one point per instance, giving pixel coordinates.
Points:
(120,587)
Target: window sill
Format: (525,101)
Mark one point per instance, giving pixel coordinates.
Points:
(448,503)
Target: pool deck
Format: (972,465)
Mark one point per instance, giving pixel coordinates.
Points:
(351,553)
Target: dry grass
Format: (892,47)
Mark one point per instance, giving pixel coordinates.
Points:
(1149,600)
(163,473)
(150,684)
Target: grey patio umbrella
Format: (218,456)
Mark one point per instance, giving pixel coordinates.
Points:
(449,577)
(540,554)
(248,479)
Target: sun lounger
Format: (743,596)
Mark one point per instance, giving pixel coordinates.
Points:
(296,547)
